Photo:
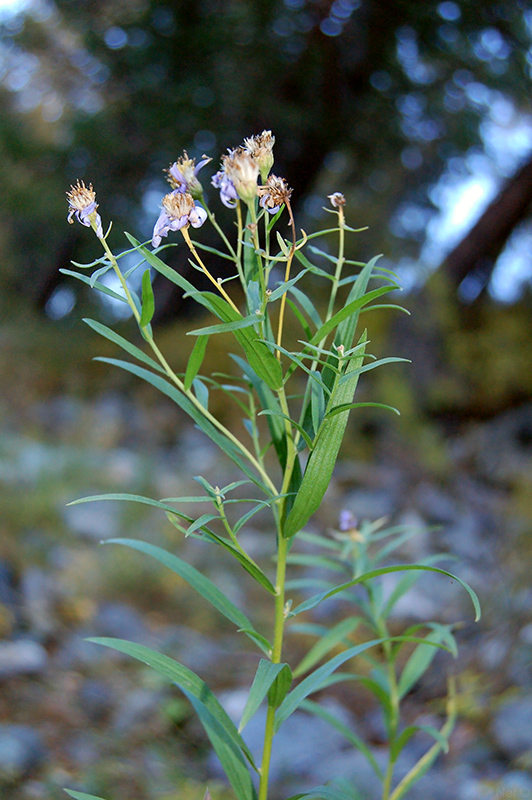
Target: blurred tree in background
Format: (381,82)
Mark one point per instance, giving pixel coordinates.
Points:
(378,99)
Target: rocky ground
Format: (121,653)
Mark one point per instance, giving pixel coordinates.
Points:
(73,714)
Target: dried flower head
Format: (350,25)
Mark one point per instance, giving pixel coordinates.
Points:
(178,210)
(182,175)
(82,204)
(274,194)
(242,171)
(337,199)
(260,148)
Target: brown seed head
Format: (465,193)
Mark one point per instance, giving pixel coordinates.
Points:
(275,192)
(80,196)
(337,199)
(178,204)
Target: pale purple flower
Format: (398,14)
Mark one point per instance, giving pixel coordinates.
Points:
(82,204)
(347,521)
(178,211)
(182,175)
(238,178)
(228,193)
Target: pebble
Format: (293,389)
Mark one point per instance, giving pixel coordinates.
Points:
(21,657)
(21,750)
(511,726)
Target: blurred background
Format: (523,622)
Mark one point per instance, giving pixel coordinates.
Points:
(420,113)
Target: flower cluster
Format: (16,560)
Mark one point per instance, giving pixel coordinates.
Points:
(237,179)
(82,204)
(178,211)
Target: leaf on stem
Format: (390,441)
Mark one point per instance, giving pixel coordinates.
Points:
(264,677)
(148,300)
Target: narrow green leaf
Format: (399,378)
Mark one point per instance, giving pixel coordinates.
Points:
(227,751)
(312,602)
(184,678)
(307,306)
(347,311)
(349,406)
(313,681)
(326,793)
(264,677)
(295,424)
(100,286)
(280,687)
(331,639)
(195,360)
(353,375)
(148,300)
(108,333)
(407,734)
(249,565)
(322,460)
(228,447)
(135,498)
(317,403)
(261,641)
(82,795)
(419,661)
(98,273)
(205,587)
(226,327)
(285,286)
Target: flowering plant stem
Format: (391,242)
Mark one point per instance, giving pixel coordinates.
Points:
(323,367)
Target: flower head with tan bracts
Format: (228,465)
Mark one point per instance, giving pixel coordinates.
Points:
(178,210)
(274,194)
(82,204)
(260,148)
(182,175)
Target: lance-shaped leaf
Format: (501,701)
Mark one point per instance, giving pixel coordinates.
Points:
(205,587)
(321,461)
(264,677)
(184,678)
(97,285)
(314,681)
(228,447)
(195,360)
(226,749)
(108,333)
(82,795)
(312,602)
(325,644)
(148,300)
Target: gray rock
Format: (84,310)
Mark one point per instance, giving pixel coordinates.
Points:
(511,726)
(21,657)
(21,750)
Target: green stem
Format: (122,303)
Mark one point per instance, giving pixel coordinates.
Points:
(282,551)
(339,264)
